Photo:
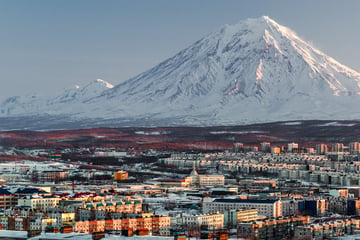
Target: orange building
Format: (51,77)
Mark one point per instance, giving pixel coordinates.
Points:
(158,225)
(121,175)
(275,150)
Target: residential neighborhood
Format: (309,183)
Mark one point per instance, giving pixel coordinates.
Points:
(245,193)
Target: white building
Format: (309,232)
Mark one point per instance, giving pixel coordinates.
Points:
(40,203)
(292,147)
(233,217)
(211,221)
(269,208)
(42,223)
(196,179)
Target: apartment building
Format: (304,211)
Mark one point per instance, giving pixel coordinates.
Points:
(7,199)
(272,229)
(157,225)
(269,208)
(196,179)
(209,221)
(354,148)
(327,230)
(40,203)
(233,217)
(321,148)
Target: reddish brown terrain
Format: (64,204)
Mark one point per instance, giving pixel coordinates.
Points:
(307,133)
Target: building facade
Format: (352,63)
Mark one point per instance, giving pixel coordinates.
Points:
(269,208)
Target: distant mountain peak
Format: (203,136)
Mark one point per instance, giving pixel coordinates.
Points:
(254,71)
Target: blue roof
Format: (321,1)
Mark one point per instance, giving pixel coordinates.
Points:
(4,191)
(29,190)
(229,200)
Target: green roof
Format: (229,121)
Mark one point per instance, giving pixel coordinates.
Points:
(89,206)
(109,204)
(137,201)
(128,203)
(99,205)
(119,203)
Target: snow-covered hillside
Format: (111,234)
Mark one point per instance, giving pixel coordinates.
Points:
(253,71)
(67,101)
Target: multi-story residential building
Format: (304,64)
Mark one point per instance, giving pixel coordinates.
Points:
(238,147)
(253,183)
(4,222)
(208,221)
(338,205)
(7,199)
(53,176)
(327,230)
(62,218)
(314,207)
(196,179)
(271,229)
(321,148)
(18,223)
(113,224)
(354,148)
(310,150)
(233,217)
(145,222)
(90,226)
(275,150)
(110,207)
(290,207)
(96,226)
(265,147)
(157,225)
(337,147)
(41,223)
(161,225)
(293,147)
(90,214)
(353,207)
(127,205)
(39,203)
(339,192)
(269,208)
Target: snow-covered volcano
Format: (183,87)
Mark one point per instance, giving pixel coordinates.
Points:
(253,71)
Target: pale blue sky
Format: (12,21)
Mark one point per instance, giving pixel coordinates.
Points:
(48,45)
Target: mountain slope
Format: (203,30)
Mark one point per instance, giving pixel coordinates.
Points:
(68,100)
(256,64)
(253,71)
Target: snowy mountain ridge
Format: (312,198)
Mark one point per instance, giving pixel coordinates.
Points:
(254,71)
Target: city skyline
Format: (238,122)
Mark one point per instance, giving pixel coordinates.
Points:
(50,45)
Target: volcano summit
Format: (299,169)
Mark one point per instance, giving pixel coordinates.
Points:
(251,72)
